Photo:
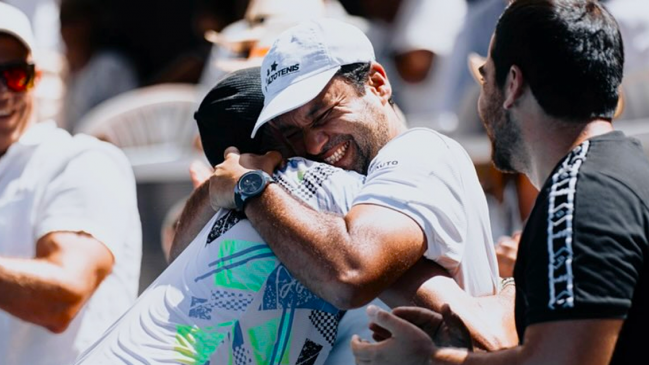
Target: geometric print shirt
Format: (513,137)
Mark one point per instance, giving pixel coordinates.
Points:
(228,300)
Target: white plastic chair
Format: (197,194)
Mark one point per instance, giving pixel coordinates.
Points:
(154,126)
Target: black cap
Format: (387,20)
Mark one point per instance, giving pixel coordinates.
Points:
(228,114)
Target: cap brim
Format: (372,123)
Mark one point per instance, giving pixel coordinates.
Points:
(294,96)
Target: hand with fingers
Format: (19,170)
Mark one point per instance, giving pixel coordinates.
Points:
(399,341)
(226,174)
(406,335)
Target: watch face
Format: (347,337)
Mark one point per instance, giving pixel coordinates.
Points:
(251,183)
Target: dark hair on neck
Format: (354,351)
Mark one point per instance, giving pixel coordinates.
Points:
(570,52)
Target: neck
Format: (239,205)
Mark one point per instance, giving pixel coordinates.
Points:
(554,140)
(6,140)
(397,121)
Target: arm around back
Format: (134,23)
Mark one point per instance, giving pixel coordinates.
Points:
(347,260)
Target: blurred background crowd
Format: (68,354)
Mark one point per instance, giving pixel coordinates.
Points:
(133,72)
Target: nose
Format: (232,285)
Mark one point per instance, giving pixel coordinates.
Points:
(314,141)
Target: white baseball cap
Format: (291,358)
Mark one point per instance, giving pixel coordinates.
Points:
(302,61)
(15,23)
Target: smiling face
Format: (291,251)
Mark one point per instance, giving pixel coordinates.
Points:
(339,127)
(15,107)
(504,133)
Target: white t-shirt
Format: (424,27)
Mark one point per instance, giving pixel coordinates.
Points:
(431,178)
(50,181)
(228,300)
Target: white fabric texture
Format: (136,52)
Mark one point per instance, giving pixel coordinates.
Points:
(50,181)
(431,178)
(189,297)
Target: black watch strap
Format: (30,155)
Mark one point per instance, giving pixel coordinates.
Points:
(250,185)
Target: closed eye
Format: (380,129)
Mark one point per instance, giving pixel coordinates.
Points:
(322,118)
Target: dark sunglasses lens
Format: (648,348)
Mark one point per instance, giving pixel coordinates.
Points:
(18,78)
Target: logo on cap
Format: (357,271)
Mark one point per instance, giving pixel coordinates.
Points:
(273,73)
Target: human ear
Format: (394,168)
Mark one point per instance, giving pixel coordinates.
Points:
(378,83)
(514,86)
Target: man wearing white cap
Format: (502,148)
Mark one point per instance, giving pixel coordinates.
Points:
(68,222)
(332,102)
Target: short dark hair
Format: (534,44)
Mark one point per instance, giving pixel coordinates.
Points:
(570,52)
(356,74)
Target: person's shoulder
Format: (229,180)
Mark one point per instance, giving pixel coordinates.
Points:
(422,138)
(89,151)
(84,142)
(424,145)
(617,163)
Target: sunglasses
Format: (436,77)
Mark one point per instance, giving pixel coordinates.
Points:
(19,77)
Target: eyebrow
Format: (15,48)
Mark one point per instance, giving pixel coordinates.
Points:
(317,107)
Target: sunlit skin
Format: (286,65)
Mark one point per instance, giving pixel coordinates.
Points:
(341,127)
(15,107)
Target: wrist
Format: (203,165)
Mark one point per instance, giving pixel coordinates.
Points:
(249,186)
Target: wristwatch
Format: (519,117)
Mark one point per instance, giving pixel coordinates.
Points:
(250,185)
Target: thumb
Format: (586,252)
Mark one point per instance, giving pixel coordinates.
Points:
(388,321)
(460,335)
(272,159)
(230,150)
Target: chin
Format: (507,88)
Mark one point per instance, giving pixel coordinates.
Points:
(502,159)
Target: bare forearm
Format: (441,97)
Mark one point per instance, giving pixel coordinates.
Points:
(411,290)
(194,217)
(489,319)
(451,356)
(39,292)
(585,341)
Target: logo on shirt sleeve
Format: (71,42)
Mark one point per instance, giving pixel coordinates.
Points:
(384,165)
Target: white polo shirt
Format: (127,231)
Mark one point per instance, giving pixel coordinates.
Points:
(51,181)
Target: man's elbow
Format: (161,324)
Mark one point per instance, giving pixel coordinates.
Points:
(350,292)
(62,310)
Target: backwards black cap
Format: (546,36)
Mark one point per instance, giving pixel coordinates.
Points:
(228,114)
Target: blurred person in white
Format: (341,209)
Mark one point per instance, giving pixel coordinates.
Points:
(413,39)
(245,42)
(96,72)
(633,18)
(70,236)
(44,17)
